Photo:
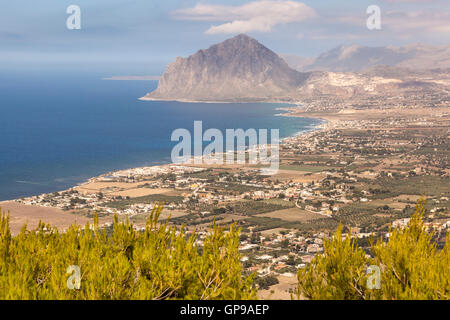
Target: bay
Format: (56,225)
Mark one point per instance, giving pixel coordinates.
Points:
(58,130)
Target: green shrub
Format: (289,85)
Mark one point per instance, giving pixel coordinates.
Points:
(158,263)
(410,267)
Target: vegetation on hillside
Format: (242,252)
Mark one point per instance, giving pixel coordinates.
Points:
(158,263)
(409,265)
(162,262)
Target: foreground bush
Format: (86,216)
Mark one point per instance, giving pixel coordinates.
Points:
(410,267)
(159,263)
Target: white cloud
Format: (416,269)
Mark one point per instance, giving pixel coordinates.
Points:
(254,16)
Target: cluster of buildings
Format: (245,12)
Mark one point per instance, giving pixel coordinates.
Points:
(66,200)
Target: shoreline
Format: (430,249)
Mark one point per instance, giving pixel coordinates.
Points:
(289,112)
(290,102)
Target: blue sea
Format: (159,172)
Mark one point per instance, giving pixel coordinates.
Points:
(58,130)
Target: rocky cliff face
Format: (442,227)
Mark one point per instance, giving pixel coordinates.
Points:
(238,69)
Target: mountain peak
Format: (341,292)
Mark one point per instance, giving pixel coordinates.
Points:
(239,68)
(241,39)
(241,42)
(243,36)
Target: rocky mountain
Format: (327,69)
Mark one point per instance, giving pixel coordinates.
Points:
(243,70)
(355,58)
(238,69)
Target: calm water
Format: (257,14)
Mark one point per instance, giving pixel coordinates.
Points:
(57,131)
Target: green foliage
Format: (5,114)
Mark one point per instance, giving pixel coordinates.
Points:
(264,283)
(158,263)
(251,207)
(337,274)
(150,199)
(410,266)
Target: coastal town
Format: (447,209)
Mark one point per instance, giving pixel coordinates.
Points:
(366,174)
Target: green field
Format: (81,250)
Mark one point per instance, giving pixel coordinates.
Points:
(430,186)
(307,168)
(122,204)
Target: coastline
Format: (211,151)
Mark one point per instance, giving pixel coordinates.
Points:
(212,101)
(289,113)
(145,98)
(289,109)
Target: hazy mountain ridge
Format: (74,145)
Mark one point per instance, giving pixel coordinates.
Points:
(296,62)
(355,58)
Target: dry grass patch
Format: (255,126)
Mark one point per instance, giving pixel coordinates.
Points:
(292,215)
(21,214)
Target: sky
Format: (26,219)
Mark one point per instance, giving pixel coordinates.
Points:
(140,37)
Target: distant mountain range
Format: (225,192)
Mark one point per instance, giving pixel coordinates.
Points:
(355,58)
(243,70)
